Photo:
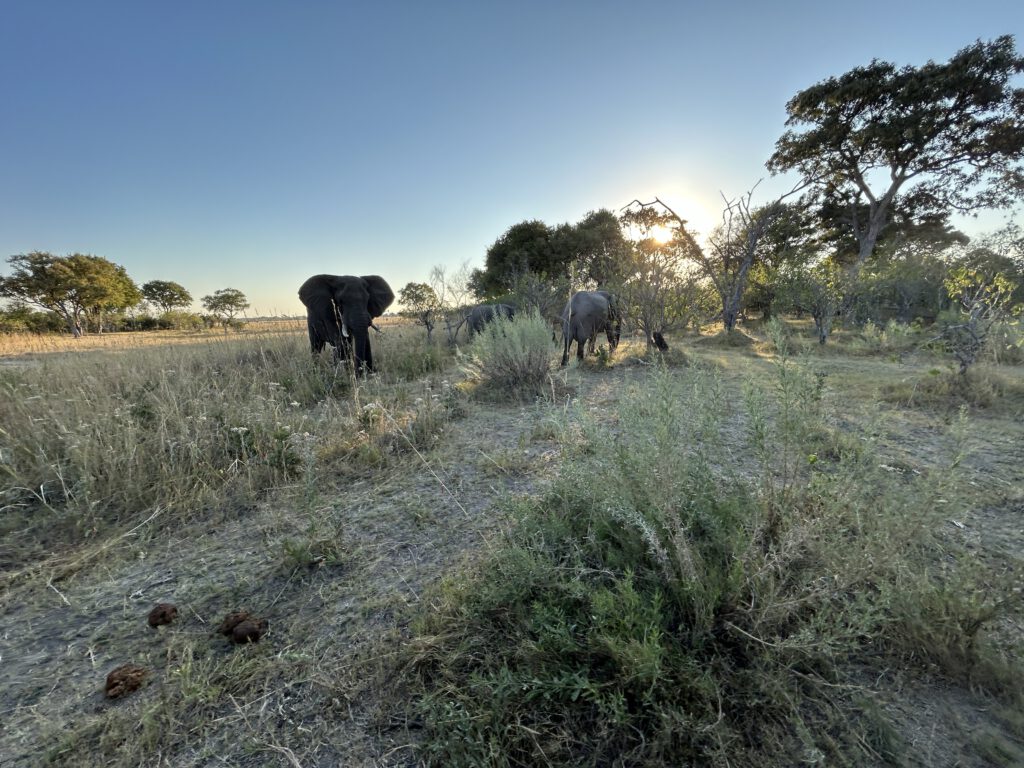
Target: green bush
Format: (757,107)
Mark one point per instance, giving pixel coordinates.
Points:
(513,357)
(666,603)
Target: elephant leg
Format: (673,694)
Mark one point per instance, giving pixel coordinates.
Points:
(316,341)
(343,350)
(581,345)
(368,361)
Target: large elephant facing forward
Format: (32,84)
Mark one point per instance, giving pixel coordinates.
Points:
(587,313)
(481,315)
(339,312)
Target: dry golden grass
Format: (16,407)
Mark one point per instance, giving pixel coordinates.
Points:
(30,344)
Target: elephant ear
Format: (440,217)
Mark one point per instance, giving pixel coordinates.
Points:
(381,295)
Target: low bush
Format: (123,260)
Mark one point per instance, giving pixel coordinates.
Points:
(669,601)
(513,357)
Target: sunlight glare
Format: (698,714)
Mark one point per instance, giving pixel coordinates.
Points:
(660,234)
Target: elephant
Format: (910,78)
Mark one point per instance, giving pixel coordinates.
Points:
(587,313)
(481,315)
(340,310)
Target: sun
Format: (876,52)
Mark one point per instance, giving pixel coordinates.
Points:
(660,234)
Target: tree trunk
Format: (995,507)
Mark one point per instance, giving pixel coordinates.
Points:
(729,317)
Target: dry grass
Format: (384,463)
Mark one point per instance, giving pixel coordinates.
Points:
(399,479)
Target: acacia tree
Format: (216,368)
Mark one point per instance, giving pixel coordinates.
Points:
(941,136)
(76,286)
(166,295)
(224,304)
(420,303)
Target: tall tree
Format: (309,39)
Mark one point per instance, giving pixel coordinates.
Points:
(593,249)
(225,304)
(74,286)
(940,136)
(166,294)
(596,247)
(524,247)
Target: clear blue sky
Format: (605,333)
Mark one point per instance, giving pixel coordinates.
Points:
(251,144)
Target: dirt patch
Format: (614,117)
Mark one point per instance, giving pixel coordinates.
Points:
(386,537)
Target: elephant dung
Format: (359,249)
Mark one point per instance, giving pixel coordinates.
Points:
(162,613)
(124,679)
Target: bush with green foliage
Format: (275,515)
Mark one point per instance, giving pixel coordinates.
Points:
(663,603)
(513,357)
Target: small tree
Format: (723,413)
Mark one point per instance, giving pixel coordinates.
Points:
(420,302)
(453,292)
(983,301)
(818,291)
(225,304)
(166,295)
(658,295)
(547,296)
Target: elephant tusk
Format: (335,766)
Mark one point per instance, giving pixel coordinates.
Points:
(344,329)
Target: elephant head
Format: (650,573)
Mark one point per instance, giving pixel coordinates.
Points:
(340,310)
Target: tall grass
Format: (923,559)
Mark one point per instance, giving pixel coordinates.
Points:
(90,441)
(672,600)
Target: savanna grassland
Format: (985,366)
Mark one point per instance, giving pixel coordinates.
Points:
(749,551)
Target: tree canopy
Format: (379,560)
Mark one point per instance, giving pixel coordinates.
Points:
(73,286)
(166,295)
(594,248)
(940,136)
(225,304)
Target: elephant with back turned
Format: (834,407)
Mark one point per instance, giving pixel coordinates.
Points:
(340,310)
(586,314)
(481,315)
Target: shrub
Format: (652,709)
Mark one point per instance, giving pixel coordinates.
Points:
(661,604)
(513,357)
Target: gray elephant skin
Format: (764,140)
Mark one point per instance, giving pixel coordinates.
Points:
(586,314)
(339,312)
(481,315)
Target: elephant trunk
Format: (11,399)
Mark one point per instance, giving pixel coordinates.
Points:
(362,357)
(358,326)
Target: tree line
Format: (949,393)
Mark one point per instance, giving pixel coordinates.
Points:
(884,154)
(81,292)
